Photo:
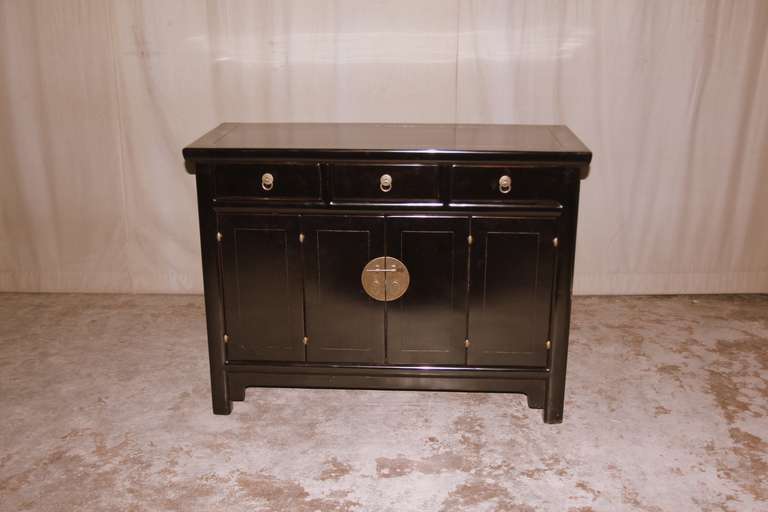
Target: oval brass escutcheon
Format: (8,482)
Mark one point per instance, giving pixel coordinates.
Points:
(385,278)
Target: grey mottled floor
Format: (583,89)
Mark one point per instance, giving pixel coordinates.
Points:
(104,406)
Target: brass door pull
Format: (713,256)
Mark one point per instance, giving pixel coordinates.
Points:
(505,184)
(391,285)
(267,181)
(385,183)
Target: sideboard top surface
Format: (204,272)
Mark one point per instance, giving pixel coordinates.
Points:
(412,141)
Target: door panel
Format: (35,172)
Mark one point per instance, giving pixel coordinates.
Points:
(512,265)
(427,325)
(344,324)
(262,287)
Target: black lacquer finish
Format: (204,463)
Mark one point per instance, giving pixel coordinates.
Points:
(291,181)
(483,217)
(427,325)
(512,272)
(261,274)
(480,183)
(360,182)
(344,324)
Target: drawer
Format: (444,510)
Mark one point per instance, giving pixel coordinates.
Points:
(478,183)
(385,183)
(279,181)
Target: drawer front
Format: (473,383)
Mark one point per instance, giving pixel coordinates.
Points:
(280,181)
(368,182)
(488,184)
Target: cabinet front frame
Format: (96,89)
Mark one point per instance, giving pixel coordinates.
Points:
(544,387)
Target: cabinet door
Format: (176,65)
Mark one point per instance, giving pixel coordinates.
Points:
(428,324)
(344,324)
(512,264)
(262,287)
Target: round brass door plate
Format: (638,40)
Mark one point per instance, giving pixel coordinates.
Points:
(385,278)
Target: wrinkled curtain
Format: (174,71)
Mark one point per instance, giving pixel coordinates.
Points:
(98,98)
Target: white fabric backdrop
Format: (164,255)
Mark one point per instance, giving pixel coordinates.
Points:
(98,98)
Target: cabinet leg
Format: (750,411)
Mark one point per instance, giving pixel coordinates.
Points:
(221,406)
(220,394)
(553,413)
(553,405)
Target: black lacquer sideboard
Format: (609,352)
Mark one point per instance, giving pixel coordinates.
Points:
(388,256)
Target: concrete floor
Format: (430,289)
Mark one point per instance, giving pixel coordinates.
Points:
(104,405)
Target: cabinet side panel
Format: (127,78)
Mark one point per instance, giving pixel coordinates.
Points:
(214,315)
(561,316)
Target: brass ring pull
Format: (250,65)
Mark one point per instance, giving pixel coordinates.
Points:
(385,278)
(267,181)
(385,183)
(505,184)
